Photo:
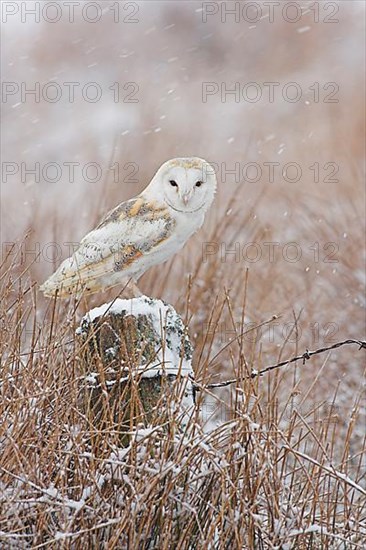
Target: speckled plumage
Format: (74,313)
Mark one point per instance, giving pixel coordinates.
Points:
(140,232)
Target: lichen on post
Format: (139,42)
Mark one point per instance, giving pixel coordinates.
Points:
(136,362)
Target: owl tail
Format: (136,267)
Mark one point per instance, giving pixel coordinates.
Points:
(56,286)
(51,288)
(68,281)
(65,289)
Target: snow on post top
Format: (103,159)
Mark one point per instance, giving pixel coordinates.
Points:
(172,346)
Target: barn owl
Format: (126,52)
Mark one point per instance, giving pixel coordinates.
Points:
(140,232)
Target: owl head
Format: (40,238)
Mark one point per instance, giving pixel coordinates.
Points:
(186,185)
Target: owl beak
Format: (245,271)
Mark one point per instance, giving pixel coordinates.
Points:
(186,196)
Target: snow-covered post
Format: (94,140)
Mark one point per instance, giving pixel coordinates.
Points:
(136,358)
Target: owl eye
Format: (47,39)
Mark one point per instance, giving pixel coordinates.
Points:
(173,183)
(199,183)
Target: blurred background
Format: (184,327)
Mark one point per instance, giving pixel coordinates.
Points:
(120,87)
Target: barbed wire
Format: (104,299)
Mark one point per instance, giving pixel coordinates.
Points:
(304,357)
(254,373)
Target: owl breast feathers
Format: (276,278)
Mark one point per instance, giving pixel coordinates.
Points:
(140,232)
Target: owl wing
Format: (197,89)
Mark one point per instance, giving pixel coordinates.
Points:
(133,229)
